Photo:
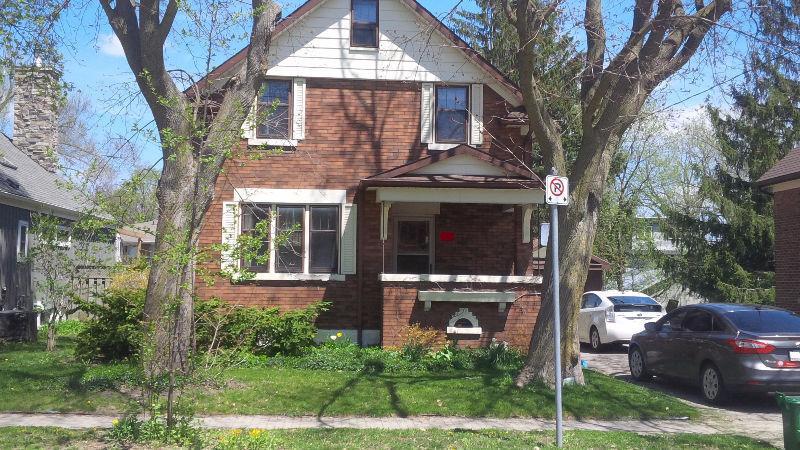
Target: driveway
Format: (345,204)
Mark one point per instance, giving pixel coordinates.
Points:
(755,416)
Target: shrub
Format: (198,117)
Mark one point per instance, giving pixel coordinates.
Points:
(262,331)
(113,331)
(417,342)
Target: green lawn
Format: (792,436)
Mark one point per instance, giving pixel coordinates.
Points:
(302,392)
(36,381)
(406,439)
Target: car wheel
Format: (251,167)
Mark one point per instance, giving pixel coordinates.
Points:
(637,365)
(594,339)
(711,384)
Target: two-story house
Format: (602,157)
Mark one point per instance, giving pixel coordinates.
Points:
(402,180)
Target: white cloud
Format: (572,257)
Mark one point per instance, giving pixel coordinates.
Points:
(110,45)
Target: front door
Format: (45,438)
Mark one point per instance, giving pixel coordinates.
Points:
(414,246)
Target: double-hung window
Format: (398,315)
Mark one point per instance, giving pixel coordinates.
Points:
(302,238)
(364,23)
(452,114)
(274,110)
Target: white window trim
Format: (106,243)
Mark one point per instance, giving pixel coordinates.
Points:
(436,146)
(291,196)
(20,224)
(306,275)
(249,125)
(273,142)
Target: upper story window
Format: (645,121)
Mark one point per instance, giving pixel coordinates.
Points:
(452,114)
(273,110)
(364,23)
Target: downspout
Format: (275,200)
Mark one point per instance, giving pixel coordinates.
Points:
(359,201)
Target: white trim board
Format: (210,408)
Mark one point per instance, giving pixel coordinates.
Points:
(415,278)
(291,196)
(298,277)
(785,186)
(459,195)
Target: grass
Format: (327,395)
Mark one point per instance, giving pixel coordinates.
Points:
(34,380)
(471,394)
(19,437)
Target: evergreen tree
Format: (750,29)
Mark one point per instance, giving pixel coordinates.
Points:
(727,250)
(488,32)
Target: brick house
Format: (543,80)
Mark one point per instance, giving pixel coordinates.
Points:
(783,181)
(401,180)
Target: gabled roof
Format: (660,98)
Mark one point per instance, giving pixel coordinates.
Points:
(787,169)
(421,11)
(24,181)
(508,175)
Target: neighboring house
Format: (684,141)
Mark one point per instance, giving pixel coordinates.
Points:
(402,180)
(28,185)
(136,241)
(651,280)
(783,181)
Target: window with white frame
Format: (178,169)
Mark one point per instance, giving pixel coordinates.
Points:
(22,239)
(452,114)
(274,110)
(301,238)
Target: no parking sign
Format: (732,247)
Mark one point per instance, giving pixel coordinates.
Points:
(557,190)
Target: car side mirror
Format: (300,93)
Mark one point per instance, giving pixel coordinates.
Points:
(651,326)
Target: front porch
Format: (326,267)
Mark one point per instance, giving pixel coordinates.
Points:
(457,235)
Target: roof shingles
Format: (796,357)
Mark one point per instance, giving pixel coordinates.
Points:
(787,169)
(23,178)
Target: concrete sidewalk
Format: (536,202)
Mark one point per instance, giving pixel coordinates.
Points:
(76,421)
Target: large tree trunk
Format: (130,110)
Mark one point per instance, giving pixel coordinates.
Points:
(169,302)
(576,238)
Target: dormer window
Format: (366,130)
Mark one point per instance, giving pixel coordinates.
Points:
(364,23)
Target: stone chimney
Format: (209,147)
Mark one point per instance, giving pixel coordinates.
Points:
(36,113)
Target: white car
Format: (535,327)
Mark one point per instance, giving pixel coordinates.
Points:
(607,317)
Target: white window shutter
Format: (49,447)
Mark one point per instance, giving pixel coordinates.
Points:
(299,109)
(249,124)
(349,236)
(427,113)
(230,234)
(476,115)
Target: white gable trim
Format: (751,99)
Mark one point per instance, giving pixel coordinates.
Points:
(291,47)
(461,165)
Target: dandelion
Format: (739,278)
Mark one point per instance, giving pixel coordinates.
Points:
(115,422)
(236,432)
(339,334)
(255,433)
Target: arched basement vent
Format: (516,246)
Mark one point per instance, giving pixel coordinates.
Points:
(464,322)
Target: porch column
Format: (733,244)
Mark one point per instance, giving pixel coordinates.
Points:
(385,207)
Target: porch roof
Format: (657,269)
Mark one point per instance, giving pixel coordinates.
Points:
(460,167)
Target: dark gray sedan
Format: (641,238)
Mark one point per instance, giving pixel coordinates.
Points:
(723,348)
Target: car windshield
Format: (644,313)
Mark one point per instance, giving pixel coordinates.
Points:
(765,321)
(637,303)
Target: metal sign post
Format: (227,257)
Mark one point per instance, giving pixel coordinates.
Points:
(557,194)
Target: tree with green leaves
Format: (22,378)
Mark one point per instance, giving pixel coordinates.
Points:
(727,246)
(616,80)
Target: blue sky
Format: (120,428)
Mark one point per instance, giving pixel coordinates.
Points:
(96,67)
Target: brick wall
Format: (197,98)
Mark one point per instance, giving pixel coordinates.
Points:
(355,129)
(787,249)
(514,325)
